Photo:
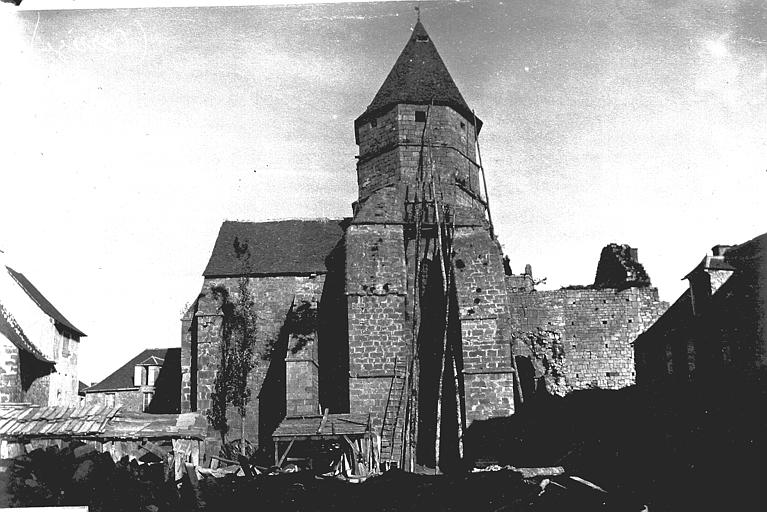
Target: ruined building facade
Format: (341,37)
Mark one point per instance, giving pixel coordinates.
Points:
(717,326)
(403,311)
(596,324)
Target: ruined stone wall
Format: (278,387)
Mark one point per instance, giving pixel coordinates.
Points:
(483,312)
(10,382)
(274,297)
(597,328)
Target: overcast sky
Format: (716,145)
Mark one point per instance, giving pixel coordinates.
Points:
(130,135)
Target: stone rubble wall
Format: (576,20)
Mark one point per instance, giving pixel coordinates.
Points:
(597,329)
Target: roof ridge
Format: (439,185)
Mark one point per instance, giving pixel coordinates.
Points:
(41,300)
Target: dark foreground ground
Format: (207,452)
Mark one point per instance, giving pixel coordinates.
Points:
(690,447)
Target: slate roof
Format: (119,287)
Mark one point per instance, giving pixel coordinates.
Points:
(753,252)
(42,302)
(96,421)
(287,247)
(122,378)
(710,263)
(418,77)
(11,329)
(308,427)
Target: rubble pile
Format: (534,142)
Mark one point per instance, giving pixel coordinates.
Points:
(396,490)
(79,475)
(693,446)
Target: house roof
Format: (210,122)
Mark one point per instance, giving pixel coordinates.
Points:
(710,263)
(313,427)
(122,378)
(11,329)
(42,302)
(419,77)
(287,247)
(753,252)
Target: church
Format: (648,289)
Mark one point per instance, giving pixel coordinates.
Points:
(407,311)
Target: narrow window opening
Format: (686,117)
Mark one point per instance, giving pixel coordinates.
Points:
(374,122)
(463,125)
(420,116)
(421,38)
(147,400)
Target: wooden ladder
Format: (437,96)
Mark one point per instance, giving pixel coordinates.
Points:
(391,429)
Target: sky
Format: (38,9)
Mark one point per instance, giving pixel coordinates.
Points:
(131,134)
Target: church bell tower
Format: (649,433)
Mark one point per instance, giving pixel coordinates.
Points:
(429,348)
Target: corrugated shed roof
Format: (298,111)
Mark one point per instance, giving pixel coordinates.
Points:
(122,378)
(336,425)
(11,329)
(54,420)
(288,247)
(97,421)
(419,77)
(42,302)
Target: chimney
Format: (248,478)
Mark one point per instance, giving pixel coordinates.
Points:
(719,249)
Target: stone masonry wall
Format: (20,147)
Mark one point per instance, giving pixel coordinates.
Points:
(63,383)
(376,290)
(483,312)
(597,328)
(389,161)
(274,297)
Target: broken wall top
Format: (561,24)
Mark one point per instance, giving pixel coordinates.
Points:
(619,268)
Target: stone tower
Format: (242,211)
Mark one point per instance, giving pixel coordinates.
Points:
(424,273)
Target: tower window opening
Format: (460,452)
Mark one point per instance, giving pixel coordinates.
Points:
(463,125)
(374,122)
(421,38)
(420,116)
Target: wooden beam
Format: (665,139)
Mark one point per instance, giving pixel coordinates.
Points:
(153,448)
(284,455)
(324,420)
(276,453)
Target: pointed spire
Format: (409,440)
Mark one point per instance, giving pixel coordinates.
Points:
(419,77)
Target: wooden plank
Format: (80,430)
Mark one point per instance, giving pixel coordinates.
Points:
(37,414)
(195,452)
(323,421)
(191,473)
(153,448)
(276,452)
(7,425)
(24,413)
(287,450)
